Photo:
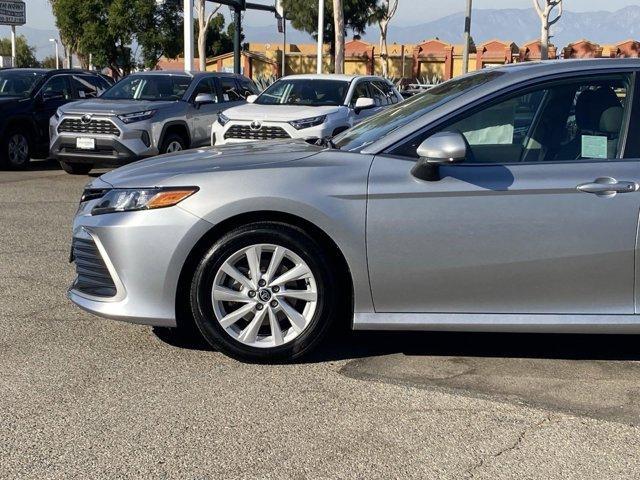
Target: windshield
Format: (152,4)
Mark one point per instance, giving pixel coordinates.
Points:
(392,118)
(15,83)
(149,87)
(313,93)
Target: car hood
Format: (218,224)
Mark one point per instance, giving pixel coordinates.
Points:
(277,113)
(159,171)
(112,107)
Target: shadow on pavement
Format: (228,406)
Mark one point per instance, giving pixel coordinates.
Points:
(347,345)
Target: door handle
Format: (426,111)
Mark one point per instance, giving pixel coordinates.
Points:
(607,186)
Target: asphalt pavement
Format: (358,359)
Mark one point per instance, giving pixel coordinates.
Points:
(84,397)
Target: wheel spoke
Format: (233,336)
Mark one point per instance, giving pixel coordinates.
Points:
(296,273)
(276,259)
(296,319)
(223,294)
(236,315)
(276,331)
(307,295)
(250,333)
(237,276)
(253,258)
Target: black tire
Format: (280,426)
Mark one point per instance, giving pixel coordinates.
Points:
(299,242)
(173,138)
(12,159)
(76,168)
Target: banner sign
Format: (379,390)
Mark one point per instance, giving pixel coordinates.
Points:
(12,12)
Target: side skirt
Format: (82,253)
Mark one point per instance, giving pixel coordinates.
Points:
(488,322)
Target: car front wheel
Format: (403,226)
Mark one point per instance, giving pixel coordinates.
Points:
(16,149)
(264,292)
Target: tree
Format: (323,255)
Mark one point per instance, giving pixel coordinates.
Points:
(383,13)
(50,62)
(203,30)
(544,9)
(303,16)
(107,28)
(160,34)
(25,53)
(338,26)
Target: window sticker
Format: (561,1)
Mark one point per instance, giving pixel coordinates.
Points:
(594,146)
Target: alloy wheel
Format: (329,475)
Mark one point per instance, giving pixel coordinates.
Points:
(174,146)
(18,149)
(264,295)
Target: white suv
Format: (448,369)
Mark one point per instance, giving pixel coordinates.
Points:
(305,106)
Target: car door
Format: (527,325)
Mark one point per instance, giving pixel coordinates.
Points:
(203,115)
(509,230)
(55,92)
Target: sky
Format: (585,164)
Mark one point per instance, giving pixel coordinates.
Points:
(410,12)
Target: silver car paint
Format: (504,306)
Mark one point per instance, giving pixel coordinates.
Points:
(495,270)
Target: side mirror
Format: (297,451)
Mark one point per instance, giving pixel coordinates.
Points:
(443,148)
(364,103)
(204,98)
(251,98)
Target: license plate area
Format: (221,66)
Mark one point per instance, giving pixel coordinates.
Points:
(83,143)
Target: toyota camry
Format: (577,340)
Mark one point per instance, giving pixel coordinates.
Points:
(502,200)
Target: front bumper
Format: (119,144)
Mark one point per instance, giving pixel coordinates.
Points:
(144,253)
(131,143)
(221,135)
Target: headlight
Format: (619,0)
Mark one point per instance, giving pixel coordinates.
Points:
(222,119)
(58,114)
(130,199)
(308,122)
(137,116)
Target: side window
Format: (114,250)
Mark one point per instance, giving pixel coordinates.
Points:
(247,87)
(570,120)
(57,85)
(361,90)
(87,86)
(230,91)
(383,93)
(205,86)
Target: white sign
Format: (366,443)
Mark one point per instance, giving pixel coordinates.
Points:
(13,12)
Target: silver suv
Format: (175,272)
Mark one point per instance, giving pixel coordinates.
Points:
(143,115)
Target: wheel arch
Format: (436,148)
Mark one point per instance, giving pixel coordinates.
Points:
(183,313)
(175,126)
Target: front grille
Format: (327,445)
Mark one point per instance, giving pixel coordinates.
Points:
(93,277)
(75,125)
(247,133)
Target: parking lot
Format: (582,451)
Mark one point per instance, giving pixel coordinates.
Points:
(84,397)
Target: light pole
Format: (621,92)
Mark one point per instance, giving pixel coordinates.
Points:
(467,38)
(320,34)
(55,41)
(13,46)
(188,35)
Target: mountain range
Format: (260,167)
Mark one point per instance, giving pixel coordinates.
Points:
(517,25)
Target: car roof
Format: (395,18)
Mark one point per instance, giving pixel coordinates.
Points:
(192,73)
(329,76)
(53,70)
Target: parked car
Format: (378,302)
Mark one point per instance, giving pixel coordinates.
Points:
(143,115)
(28,98)
(440,213)
(305,106)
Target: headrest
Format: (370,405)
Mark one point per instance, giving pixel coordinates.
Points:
(611,120)
(591,104)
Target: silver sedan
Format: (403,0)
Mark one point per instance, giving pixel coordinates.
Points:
(502,200)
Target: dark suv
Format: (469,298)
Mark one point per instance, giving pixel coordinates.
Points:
(28,98)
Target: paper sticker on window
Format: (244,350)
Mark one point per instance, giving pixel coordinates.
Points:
(594,146)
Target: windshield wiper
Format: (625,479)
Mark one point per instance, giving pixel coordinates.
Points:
(325,142)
